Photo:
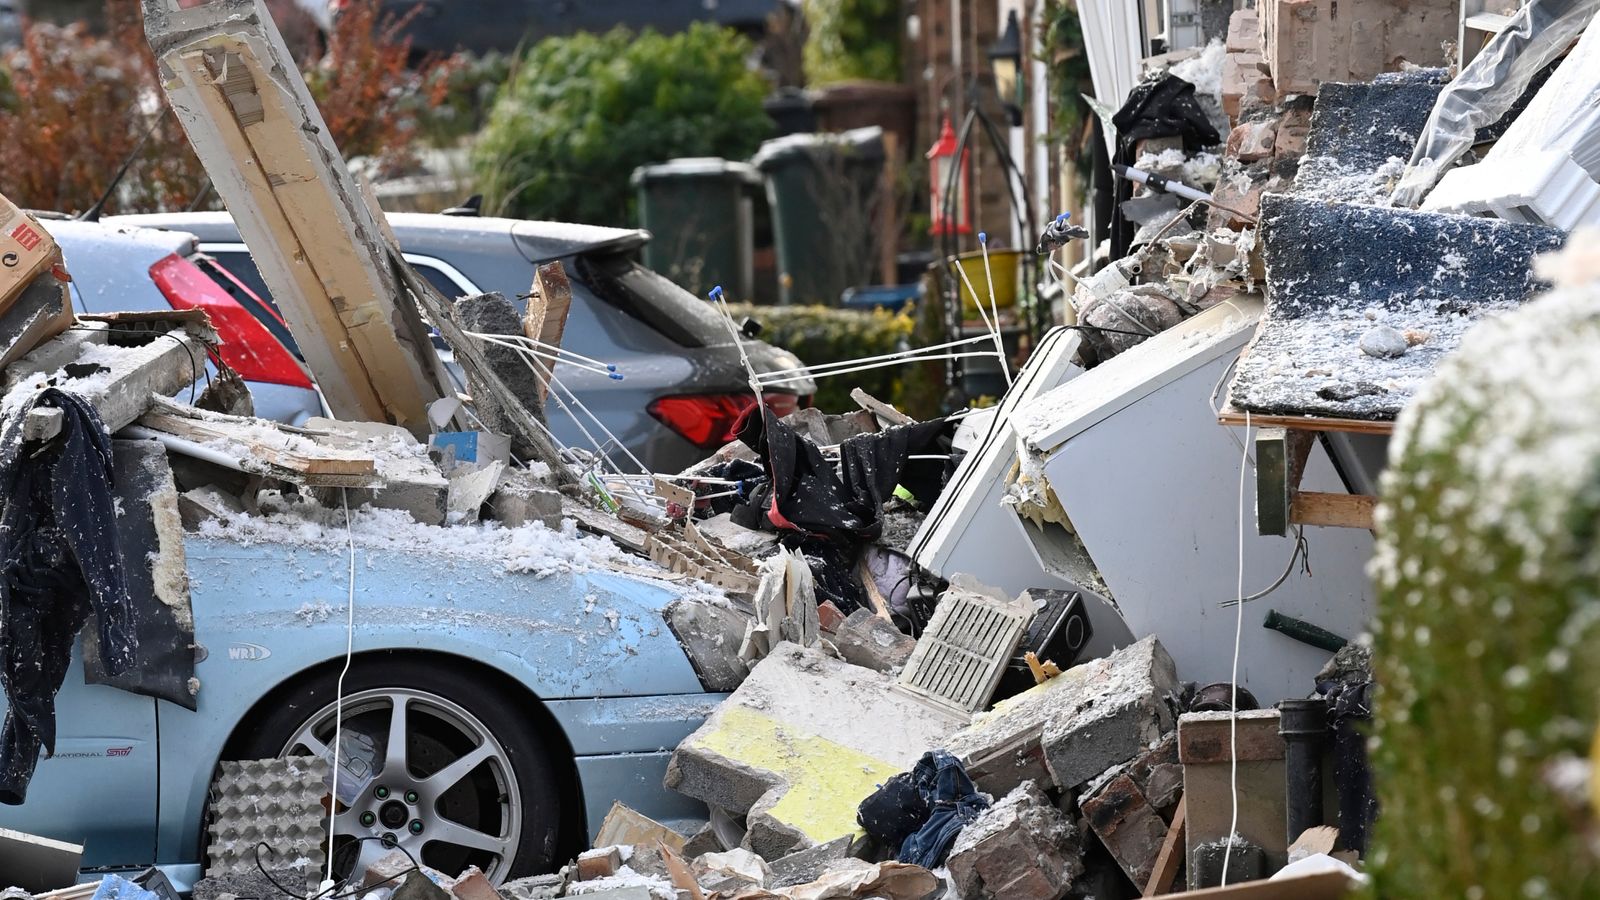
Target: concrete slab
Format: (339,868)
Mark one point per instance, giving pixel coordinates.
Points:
(37,864)
(873,642)
(1081,723)
(789,747)
(1427,274)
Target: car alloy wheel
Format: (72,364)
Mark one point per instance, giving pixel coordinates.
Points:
(419,771)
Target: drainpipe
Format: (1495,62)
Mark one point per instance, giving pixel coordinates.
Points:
(1303,724)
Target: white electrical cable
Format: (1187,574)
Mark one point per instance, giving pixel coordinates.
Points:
(338,691)
(779,381)
(991,329)
(897,354)
(508,341)
(994,307)
(556,349)
(1238,634)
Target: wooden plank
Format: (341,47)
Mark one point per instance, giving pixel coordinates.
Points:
(1320,886)
(880,606)
(294,457)
(253,124)
(1335,510)
(879,408)
(1231,416)
(545,319)
(1170,857)
(550,280)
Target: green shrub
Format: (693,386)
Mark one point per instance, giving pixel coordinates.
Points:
(821,334)
(1488,622)
(852,39)
(581,112)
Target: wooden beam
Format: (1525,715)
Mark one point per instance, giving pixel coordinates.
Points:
(267,450)
(319,246)
(880,606)
(545,319)
(1335,510)
(120,386)
(1170,857)
(879,408)
(1236,417)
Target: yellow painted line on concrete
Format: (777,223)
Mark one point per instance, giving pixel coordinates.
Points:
(827,781)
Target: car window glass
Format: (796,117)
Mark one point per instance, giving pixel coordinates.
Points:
(669,309)
(242,267)
(440,281)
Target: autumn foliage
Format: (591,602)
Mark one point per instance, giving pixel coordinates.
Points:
(76,104)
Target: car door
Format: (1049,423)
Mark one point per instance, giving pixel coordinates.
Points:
(99,790)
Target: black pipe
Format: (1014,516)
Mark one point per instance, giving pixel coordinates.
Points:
(1304,632)
(1303,725)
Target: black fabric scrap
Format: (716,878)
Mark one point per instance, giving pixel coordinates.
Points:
(1165,107)
(844,502)
(165,638)
(894,812)
(59,560)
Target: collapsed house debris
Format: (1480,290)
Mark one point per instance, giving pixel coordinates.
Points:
(998,656)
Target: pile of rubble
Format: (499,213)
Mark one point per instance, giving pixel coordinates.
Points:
(979,658)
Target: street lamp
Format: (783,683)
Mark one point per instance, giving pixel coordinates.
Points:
(1005,60)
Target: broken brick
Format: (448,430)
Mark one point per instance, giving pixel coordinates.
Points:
(602,862)
(1244,32)
(1294,125)
(1022,848)
(1120,814)
(1252,141)
(472,885)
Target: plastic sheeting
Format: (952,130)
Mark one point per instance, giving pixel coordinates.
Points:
(1489,85)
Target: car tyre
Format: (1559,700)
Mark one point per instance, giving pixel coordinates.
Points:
(507,796)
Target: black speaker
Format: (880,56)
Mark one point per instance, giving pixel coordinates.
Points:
(1058,634)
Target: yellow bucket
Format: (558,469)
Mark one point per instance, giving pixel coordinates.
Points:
(1004,265)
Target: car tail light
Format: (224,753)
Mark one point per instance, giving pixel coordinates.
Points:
(247,346)
(708,420)
(781,404)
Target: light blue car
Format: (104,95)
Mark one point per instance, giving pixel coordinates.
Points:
(491,717)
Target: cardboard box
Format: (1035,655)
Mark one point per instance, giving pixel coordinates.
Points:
(26,251)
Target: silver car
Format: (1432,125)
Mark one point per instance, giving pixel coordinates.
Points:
(684,385)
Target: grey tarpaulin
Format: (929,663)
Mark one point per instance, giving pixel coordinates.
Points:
(1486,89)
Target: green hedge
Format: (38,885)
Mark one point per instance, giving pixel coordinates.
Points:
(580,113)
(1488,625)
(820,334)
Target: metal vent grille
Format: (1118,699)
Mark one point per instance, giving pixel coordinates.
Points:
(960,657)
